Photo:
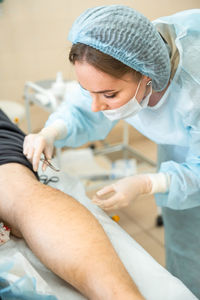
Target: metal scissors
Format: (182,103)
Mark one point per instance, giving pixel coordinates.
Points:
(47,162)
(45,180)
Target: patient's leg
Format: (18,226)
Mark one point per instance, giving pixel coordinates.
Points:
(64,235)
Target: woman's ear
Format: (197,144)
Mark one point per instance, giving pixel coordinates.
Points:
(147,79)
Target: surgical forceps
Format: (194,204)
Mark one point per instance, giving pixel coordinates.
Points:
(47,162)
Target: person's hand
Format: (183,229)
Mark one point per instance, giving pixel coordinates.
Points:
(36,144)
(121,193)
(43,142)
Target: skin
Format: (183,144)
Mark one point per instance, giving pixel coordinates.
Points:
(109,92)
(64,235)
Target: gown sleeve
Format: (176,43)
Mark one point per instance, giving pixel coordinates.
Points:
(184,191)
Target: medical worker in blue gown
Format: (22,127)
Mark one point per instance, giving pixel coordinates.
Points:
(147,73)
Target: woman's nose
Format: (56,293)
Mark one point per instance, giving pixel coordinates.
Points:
(97,104)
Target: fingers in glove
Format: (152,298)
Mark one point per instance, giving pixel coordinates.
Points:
(114,202)
(48,151)
(103,195)
(26,145)
(44,166)
(30,153)
(105,190)
(37,154)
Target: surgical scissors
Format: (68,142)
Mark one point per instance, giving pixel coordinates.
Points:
(45,180)
(47,162)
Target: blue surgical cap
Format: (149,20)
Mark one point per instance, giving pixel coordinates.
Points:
(126,35)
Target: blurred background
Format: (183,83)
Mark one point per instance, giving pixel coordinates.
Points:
(34,47)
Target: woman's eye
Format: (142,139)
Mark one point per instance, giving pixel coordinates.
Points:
(110,96)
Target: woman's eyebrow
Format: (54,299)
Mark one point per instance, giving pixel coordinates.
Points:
(104,91)
(98,92)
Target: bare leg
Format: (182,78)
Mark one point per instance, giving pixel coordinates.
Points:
(64,235)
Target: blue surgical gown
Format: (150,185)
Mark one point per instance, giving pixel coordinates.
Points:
(174,124)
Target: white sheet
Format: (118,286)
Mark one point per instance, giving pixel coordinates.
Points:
(154,282)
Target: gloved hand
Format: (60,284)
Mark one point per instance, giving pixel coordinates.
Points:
(43,142)
(121,193)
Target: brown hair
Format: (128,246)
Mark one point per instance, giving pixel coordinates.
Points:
(106,63)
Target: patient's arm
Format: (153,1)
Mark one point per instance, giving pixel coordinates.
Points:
(64,235)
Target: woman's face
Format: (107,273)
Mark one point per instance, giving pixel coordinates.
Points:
(109,92)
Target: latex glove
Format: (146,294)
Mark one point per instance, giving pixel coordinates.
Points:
(121,193)
(43,142)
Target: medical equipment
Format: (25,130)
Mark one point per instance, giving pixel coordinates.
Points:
(58,87)
(49,164)
(125,149)
(45,180)
(40,94)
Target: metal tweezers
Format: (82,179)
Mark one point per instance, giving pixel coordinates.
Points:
(47,162)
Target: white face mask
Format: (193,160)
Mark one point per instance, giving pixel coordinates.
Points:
(130,109)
